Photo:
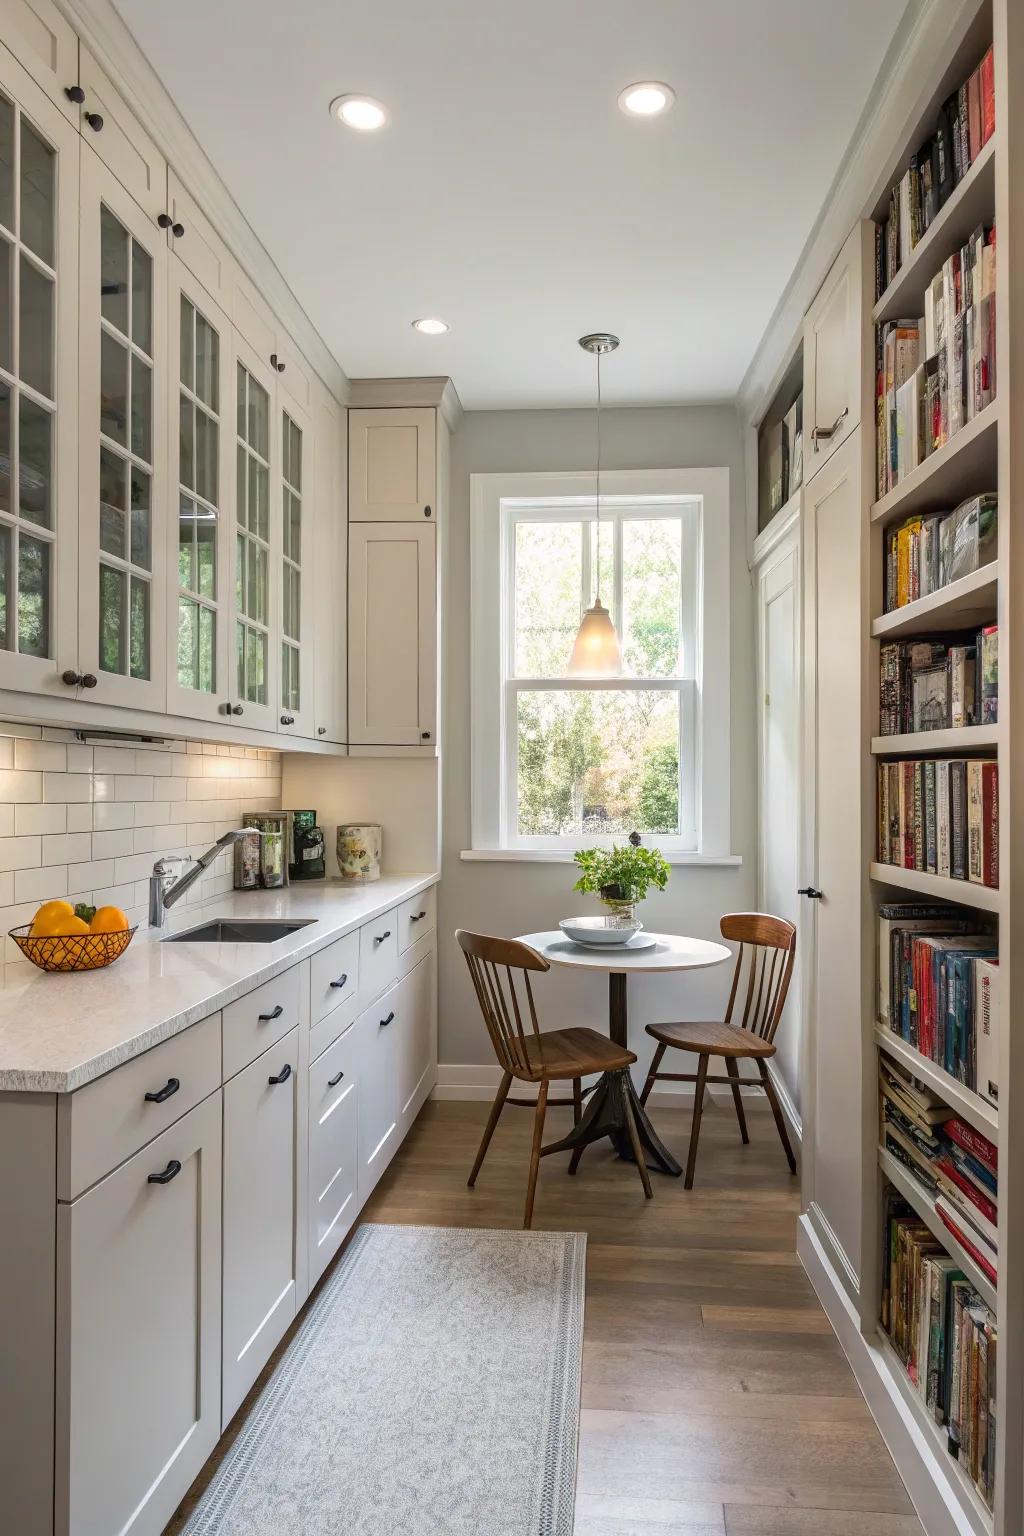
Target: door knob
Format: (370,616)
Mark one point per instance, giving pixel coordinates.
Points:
(811,891)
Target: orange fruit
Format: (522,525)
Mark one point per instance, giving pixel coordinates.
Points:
(108,920)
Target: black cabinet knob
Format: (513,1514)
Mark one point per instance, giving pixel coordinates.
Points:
(94,120)
(74,93)
(287,719)
(164,220)
(425,735)
(89,680)
(426,511)
(321,730)
(414,917)
(389,1020)
(236,709)
(276,363)
(71,679)
(170,1172)
(282,1077)
(170,1087)
(332,1082)
(380,937)
(811,891)
(265,1018)
(342,980)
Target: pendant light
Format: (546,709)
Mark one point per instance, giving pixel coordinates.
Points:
(597,652)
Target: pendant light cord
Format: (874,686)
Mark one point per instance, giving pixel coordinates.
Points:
(597,577)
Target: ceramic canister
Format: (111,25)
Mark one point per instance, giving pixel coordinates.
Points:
(359,851)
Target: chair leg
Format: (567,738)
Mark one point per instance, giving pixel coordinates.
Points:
(492,1120)
(652,1071)
(577,1100)
(698,1107)
(737,1098)
(773,1100)
(638,1152)
(538,1134)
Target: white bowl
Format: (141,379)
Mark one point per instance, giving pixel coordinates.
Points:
(599,931)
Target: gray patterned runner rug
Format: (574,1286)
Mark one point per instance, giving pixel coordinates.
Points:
(433,1390)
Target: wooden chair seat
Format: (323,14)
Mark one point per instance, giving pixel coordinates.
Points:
(713,1037)
(558,1054)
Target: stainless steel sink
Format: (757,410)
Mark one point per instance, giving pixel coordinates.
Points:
(240,930)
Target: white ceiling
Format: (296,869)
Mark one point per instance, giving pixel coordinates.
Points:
(508,193)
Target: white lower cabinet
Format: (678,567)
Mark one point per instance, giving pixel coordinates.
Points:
(376,1037)
(333,1151)
(138,1321)
(260,1188)
(417,1039)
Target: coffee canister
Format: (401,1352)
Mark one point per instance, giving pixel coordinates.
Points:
(359,848)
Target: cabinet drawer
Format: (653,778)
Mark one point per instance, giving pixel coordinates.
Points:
(416,918)
(259,1019)
(326,1030)
(110,1119)
(333,1151)
(378,956)
(333,973)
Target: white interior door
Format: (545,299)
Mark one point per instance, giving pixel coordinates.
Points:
(834,857)
(392,465)
(778,619)
(392,635)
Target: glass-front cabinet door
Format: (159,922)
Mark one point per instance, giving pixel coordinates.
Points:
(122,445)
(256,541)
(38,426)
(296,567)
(200,681)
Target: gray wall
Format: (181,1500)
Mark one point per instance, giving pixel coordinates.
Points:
(511,898)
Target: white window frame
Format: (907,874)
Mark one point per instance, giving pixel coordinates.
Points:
(498,502)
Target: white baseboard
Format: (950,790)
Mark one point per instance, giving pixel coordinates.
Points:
(943,1505)
(471,1081)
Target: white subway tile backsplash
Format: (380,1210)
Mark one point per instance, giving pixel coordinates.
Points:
(89,822)
(31,820)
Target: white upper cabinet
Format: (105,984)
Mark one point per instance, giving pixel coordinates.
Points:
(330,571)
(201,495)
(834,332)
(296,484)
(392,465)
(392,692)
(257,541)
(123,484)
(196,244)
(119,139)
(39,152)
(45,43)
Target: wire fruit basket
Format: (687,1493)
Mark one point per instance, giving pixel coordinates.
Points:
(72,951)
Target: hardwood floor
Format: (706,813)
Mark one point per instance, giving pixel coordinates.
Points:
(716,1399)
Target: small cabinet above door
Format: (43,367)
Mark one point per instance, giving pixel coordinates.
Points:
(116,135)
(392,465)
(392,694)
(834,342)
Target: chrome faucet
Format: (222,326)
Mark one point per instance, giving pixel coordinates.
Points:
(164,890)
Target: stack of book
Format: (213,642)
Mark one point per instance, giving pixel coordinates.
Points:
(935,373)
(938,990)
(941,817)
(938,685)
(924,554)
(954,1166)
(967,120)
(946,1338)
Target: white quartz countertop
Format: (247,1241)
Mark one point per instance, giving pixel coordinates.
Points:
(58,1031)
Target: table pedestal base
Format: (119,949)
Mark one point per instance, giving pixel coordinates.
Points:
(606,1116)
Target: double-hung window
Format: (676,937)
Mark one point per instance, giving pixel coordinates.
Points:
(562,760)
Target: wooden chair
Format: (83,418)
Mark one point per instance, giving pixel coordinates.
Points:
(766,955)
(525,1053)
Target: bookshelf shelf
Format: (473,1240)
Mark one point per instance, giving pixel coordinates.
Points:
(938,887)
(963,740)
(960,605)
(970,205)
(919,1198)
(970,1105)
(963,466)
(959,1493)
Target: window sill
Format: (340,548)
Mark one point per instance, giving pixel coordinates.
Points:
(565,856)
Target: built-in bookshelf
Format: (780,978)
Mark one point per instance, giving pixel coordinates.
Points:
(780,444)
(973,461)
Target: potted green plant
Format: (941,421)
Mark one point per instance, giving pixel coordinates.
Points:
(621,876)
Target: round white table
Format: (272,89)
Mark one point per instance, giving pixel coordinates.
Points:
(604,1115)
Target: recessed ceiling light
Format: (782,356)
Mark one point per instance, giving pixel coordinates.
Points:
(361,112)
(431,326)
(647,98)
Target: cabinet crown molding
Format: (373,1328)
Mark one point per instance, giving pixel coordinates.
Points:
(435,391)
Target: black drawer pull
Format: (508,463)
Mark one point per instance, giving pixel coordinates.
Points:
(170,1172)
(275,1013)
(171,1086)
(388,1020)
(414,917)
(342,980)
(332,1082)
(282,1077)
(380,937)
